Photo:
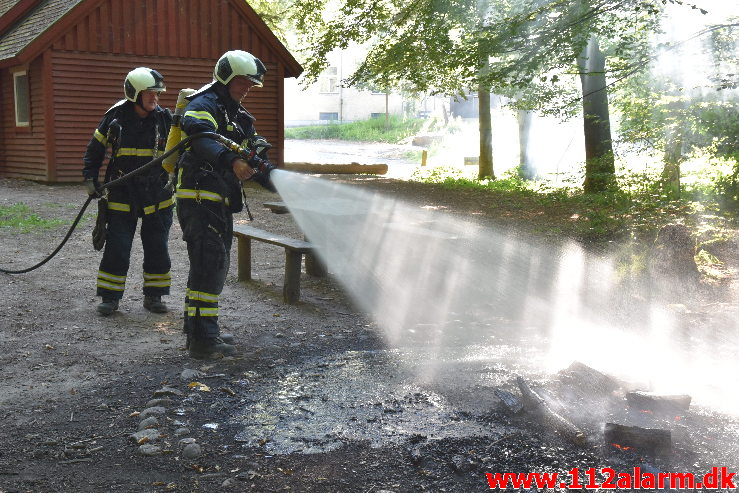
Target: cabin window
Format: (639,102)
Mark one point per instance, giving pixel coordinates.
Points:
(22,99)
(328,116)
(329,81)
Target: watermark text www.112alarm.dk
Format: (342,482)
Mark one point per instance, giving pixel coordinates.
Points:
(719,478)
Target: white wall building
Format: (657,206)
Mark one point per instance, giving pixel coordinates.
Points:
(326,100)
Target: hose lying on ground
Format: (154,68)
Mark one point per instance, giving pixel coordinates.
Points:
(118,181)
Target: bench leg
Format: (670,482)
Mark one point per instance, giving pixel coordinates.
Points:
(313,266)
(291,288)
(244,259)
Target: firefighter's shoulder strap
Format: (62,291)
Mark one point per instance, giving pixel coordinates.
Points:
(175,131)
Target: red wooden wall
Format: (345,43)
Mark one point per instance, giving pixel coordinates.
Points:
(23,149)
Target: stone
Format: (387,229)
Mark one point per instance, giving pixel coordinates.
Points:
(152,411)
(160,403)
(144,436)
(189,374)
(181,431)
(167,391)
(192,451)
(150,450)
(150,422)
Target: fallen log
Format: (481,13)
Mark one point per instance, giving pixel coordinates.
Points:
(649,441)
(657,403)
(333,169)
(533,403)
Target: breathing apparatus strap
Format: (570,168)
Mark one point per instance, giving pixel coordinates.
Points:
(175,132)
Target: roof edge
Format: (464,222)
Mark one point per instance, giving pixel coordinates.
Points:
(15,13)
(47,36)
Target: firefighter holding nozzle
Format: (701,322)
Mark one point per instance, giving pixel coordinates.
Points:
(209,191)
(135,129)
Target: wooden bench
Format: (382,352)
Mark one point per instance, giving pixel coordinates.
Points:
(294,250)
(276,207)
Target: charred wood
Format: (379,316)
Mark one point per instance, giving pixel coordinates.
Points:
(512,403)
(658,403)
(650,441)
(534,404)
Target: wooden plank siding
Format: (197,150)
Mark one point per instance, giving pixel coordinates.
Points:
(23,153)
(98,80)
(81,72)
(177,28)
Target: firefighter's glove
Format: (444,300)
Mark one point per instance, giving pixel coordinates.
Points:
(261,146)
(170,183)
(263,169)
(93,187)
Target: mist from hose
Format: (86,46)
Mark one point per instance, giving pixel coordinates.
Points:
(441,283)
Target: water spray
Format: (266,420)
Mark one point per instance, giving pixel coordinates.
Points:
(442,284)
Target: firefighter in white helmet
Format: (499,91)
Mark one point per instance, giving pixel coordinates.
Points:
(209,192)
(135,129)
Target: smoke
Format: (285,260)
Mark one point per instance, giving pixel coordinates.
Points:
(443,284)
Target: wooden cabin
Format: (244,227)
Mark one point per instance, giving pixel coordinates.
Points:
(63,64)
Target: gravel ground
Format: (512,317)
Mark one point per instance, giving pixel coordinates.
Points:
(316,400)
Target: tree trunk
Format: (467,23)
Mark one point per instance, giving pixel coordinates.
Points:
(673,156)
(527,170)
(387,109)
(486,134)
(599,164)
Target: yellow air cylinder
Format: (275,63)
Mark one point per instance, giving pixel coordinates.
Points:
(175,133)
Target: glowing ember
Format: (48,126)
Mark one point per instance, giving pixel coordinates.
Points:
(621,447)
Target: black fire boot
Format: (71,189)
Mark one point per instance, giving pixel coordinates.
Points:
(210,348)
(107,307)
(227,338)
(155,304)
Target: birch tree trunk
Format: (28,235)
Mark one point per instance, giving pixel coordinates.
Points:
(486,134)
(599,163)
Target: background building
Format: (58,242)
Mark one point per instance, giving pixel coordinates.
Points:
(326,100)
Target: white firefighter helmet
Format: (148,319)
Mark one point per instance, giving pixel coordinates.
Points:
(238,62)
(142,79)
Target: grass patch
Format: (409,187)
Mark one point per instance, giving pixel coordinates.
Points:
(19,217)
(373,130)
(630,213)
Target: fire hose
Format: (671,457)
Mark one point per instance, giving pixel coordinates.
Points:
(261,175)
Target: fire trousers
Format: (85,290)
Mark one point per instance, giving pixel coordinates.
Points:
(207,230)
(111,280)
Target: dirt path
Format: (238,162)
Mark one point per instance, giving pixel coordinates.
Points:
(315,401)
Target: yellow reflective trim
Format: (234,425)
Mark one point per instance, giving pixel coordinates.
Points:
(162,205)
(192,311)
(201,296)
(167,275)
(133,151)
(111,277)
(117,206)
(111,287)
(202,115)
(185,193)
(100,137)
(157,284)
